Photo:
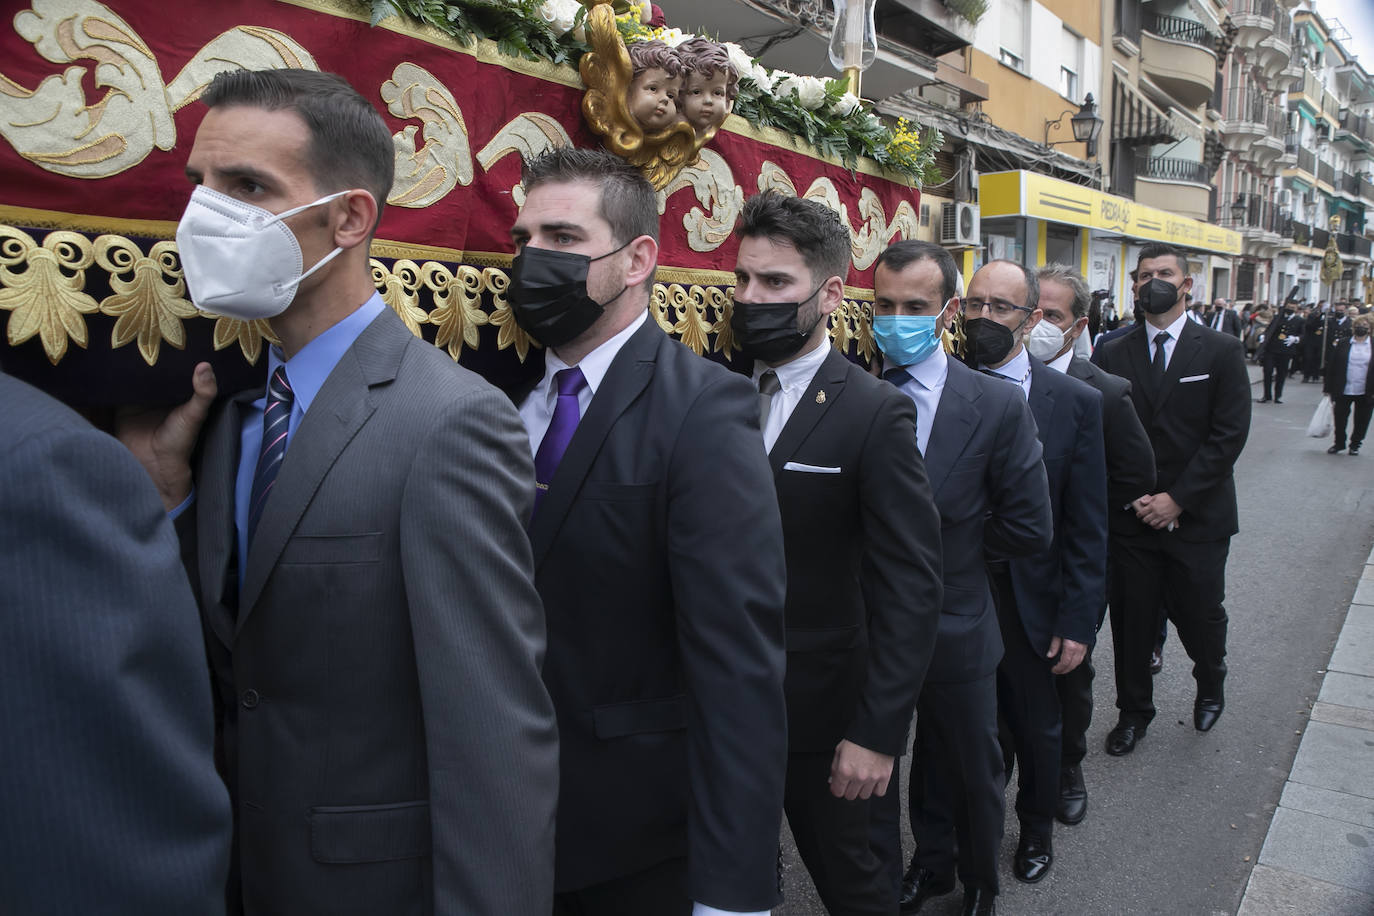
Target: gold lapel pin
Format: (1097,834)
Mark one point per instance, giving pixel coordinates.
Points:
(820,396)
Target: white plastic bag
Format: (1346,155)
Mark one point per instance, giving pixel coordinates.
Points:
(1320,427)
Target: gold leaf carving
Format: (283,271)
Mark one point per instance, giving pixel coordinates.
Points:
(53,126)
(426,175)
(400,287)
(47,298)
(660,310)
(249,335)
(457,305)
(688,305)
(148,307)
(722,303)
(510,333)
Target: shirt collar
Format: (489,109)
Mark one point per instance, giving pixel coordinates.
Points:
(597,363)
(1061,362)
(931,372)
(797,372)
(1151,332)
(1016,369)
(309,368)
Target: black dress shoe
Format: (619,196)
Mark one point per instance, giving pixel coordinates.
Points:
(1354,450)
(919,885)
(1263,401)
(1157,660)
(1337,449)
(979,901)
(1122,739)
(1206,711)
(1073,796)
(1278,401)
(1033,858)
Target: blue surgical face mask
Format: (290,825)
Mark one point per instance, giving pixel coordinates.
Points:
(906,339)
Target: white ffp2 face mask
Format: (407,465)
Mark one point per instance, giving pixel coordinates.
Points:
(241,261)
(1045,341)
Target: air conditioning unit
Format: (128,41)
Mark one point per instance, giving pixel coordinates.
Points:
(1286,199)
(958,224)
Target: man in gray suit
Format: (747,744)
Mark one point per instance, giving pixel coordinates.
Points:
(358,540)
(110,799)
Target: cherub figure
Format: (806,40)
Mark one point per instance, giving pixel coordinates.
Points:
(653,94)
(710,84)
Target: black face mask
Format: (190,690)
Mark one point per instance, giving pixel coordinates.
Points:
(548,294)
(769,331)
(1158,296)
(987,343)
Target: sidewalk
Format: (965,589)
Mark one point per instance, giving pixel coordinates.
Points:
(1319,854)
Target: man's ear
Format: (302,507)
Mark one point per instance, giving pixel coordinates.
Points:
(356,216)
(643,260)
(831,295)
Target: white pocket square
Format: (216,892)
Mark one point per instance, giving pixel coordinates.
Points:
(809,468)
(1195,378)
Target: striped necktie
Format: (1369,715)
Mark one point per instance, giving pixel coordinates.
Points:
(276,419)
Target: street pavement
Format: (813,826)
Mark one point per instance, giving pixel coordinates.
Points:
(1177,827)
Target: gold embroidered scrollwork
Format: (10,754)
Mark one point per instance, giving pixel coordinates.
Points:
(149,295)
(510,333)
(400,289)
(457,305)
(424,175)
(249,335)
(47,298)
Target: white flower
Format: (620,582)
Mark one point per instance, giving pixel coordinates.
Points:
(646,11)
(672,37)
(810,90)
(739,59)
(559,14)
(846,106)
(759,74)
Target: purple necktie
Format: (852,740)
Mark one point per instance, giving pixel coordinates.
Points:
(562,425)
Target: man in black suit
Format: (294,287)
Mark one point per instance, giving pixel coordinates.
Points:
(1280,345)
(658,551)
(1191,391)
(110,797)
(1047,603)
(984,461)
(1337,326)
(1349,388)
(1130,474)
(862,537)
(1224,318)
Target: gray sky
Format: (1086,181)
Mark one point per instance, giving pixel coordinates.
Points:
(1358,18)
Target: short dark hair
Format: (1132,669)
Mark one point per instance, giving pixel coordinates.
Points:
(899,255)
(1160,250)
(1032,284)
(811,227)
(350,144)
(628,202)
(1063,273)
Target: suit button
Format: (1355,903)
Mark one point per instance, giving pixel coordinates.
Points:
(250,698)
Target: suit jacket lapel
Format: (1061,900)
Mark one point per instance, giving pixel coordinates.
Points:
(953,425)
(1189,346)
(1041,399)
(1137,344)
(809,410)
(216,535)
(629,374)
(339,410)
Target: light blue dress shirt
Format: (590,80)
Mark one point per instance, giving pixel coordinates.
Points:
(925,388)
(306,371)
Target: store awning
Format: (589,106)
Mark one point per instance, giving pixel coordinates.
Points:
(1023,193)
(1135,119)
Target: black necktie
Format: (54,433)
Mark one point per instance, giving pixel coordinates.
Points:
(1157,365)
(899,377)
(768,386)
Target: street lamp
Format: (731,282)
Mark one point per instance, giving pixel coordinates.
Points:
(1238,209)
(1085,123)
(853,39)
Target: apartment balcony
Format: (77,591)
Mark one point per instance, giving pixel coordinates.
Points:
(1179,55)
(1326,172)
(1289,157)
(1274,52)
(1307,162)
(1265,228)
(1254,21)
(1357,130)
(1302,234)
(1177,185)
(1253,125)
(1292,69)
(1320,237)
(1347,185)
(1351,244)
(1366,190)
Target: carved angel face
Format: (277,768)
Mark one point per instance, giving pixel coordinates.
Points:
(704,102)
(652,98)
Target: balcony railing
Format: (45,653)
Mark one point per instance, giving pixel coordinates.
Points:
(1367,189)
(1302,233)
(1311,86)
(1349,183)
(1330,104)
(1348,243)
(1320,237)
(1361,126)
(1266,8)
(1326,172)
(1255,211)
(1165,168)
(1179,29)
(1243,103)
(1307,161)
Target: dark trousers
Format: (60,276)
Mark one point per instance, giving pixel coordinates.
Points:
(955,795)
(1076,704)
(1275,371)
(1340,414)
(1028,702)
(661,888)
(832,836)
(1188,579)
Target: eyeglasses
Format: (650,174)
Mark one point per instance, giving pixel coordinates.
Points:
(973,308)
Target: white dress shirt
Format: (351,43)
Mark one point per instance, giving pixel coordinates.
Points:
(1061,362)
(1151,332)
(794,377)
(537,410)
(925,388)
(1357,370)
(1017,369)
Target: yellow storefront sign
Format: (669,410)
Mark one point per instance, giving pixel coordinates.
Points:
(1023,193)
